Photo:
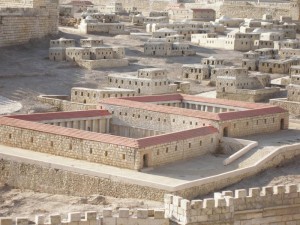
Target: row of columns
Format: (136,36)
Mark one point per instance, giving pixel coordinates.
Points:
(93,125)
(205,108)
(134,132)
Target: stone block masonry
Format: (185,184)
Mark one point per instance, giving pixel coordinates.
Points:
(19,25)
(269,205)
(143,217)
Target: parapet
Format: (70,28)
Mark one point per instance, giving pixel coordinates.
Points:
(227,204)
(156,216)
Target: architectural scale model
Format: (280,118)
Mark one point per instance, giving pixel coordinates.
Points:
(149,112)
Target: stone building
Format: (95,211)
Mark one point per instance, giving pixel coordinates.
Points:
(281,66)
(196,14)
(196,72)
(141,132)
(101,23)
(91,55)
(237,84)
(93,96)
(22,21)
(203,71)
(187,29)
(162,47)
(150,81)
(268,60)
(292,102)
(140,20)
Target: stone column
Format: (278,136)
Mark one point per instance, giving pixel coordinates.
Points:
(95,125)
(69,124)
(76,124)
(88,125)
(82,125)
(107,126)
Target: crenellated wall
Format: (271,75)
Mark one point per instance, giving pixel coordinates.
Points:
(267,205)
(124,217)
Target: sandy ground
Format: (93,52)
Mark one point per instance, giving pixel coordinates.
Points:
(26,203)
(26,72)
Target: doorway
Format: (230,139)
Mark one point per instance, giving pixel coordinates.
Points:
(225,132)
(282,124)
(145,161)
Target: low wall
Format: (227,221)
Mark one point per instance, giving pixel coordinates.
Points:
(103,63)
(248,145)
(269,205)
(143,216)
(206,185)
(64,105)
(55,179)
(292,107)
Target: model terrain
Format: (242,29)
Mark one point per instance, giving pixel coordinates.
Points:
(149,112)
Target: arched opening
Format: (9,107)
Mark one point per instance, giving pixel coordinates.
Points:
(54,58)
(84,101)
(282,124)
(223,89)
(139,91)
(225,132)
(104,57)
(145,161)
(74,59)
(153,52)
(249,68)
(270,70)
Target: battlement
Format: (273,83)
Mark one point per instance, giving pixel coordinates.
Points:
(261,203)
(143,216)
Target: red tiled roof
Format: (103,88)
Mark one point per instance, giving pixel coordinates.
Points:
(160,108)
(261,109)
(61,115)
(155,98)
(69,132)
(251,113)
(171,137)
(239,104)
(180,97)
(107,138)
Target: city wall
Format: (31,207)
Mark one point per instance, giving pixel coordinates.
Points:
(27,21)
(269,205)
(143,216)
(243,9)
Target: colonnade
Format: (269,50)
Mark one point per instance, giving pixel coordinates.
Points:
(93,125)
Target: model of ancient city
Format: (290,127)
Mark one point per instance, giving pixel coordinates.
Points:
(150,112)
